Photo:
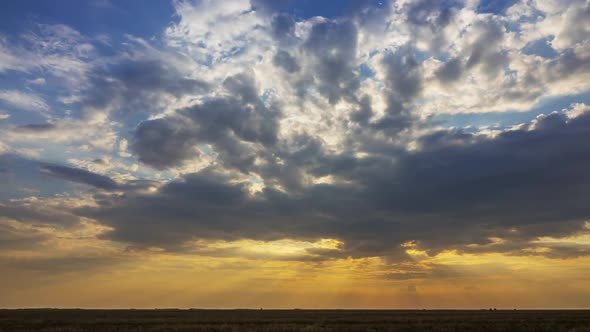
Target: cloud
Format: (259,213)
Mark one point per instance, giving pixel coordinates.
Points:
(403,79)
(24,101)
(333,47)
(143,84)
(162,143)
(286,61)
(229,123)
(37,81)
(36,127)
(213,31)
(14,237)
(283,27)
(80,176)
(83,134)
(456,191)
(485,49)
(450,71)
(54,51)
(571,33)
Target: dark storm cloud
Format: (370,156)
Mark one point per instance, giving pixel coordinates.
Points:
(41,127)
(404,84)
(188,205)
(478,187)
(22,177)
(230,123)
(154,75)
(485,50)
(282,27)
(25,182)
(286,61)
(457,190)
(568,64)
(364,112)
(81,176)
(403,73)
(450,71)
(333,47)
(162,143)
(288,163)
(138,85)
(242,114)
(25,212)
(243,86)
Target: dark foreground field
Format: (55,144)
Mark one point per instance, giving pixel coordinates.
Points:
(292,320)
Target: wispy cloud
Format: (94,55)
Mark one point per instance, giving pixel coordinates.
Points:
(24,101)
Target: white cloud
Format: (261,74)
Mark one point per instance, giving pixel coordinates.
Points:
(9,60)
(24,101)
(576,110)
(123,146)
(37,81)
(78,134)
(212,29)
(57,50)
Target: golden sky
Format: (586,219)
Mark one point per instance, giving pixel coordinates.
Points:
(77,269)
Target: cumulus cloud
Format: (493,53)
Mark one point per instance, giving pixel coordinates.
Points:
(457,190)
(162,143)
(230,123)
(333,47)
(144,83)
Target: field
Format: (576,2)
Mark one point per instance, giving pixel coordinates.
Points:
(293,320)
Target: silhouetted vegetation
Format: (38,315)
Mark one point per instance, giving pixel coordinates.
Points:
(293,320)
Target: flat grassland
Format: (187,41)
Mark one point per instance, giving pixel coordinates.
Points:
(73,320)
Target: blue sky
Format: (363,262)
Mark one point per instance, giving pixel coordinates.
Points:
(91,17)
(354,129)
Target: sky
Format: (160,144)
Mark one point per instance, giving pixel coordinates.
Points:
(295,154)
